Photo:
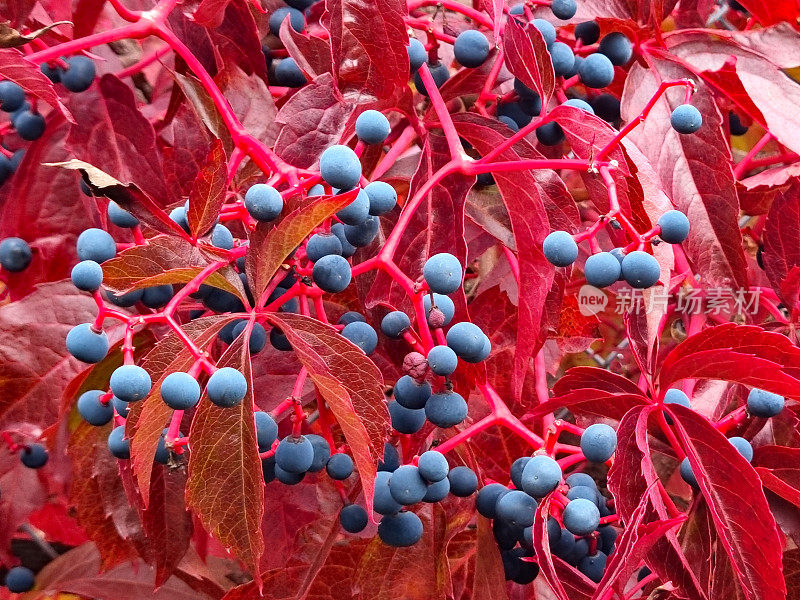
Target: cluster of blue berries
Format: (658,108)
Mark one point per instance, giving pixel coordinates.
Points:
(576,535)
(638,268)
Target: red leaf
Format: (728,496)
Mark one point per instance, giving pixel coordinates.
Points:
(779,469)
(310,121)
(695,171)
(737,504)
(15,67)
(351,385)
(225,487)
(271,244)
(577,378)
(527,57)
(250,100)
(208,192)
(368,41)
(530,198)
(114,136)
(148,417)
(542,549)
(489,576)
(312,54)
(80,571)
(772,12)
(36,364)
(165,259)
(782,242)
(211,12)
(743,353)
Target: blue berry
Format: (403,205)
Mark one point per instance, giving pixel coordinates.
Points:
(34,456)
(564,9)
(361,235)
(372,127)
(640,269)
(258,335)
(263,202)
(598,442)
(178,215)
(471,48)
(578,103)
(560,249)
(550,134)
(440,74)
(87,345)
(322,244)
(79,75)
(437,491)
(675,396)
(362,335)
(582,491)
(383,503)
(221,237)
(608,538)
(606,107)
(587,32)
(540,476)
(686,119)
(735,124)
(761,403)
(444,304)
(339,466)
(487,498)
(340,167)
(118,445)
(674,226)
(563,58)
(294,454)
(596,71)
(406,420)
(516,508)
(52,73)
(279,341)
(226,387)
(581,516)
(130,383)
(124,300)
(15,254)
(266,430)
(357,211)
(158,295)
(287,477)
(350,317)
(593,566)
(411,394)
(332,273)
(400,530)
(442,360)
(446,409)
(463,481)
(433,466)
(466,340)
(395,323)
(687,474)
(743,447)
(581,479)
(29,125)
(338,229)
(407,486)
(546,29)
(93,410)
(416,53)
(120,406)
(443,273)
(353,518)
(97,245)
(121,217)
(292,305)
(602,269)
(515,112)
(322,452)
(19,580)
(180,391)
(296,19)
(508,121)
(617,48)
(12,96)
(382,197)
